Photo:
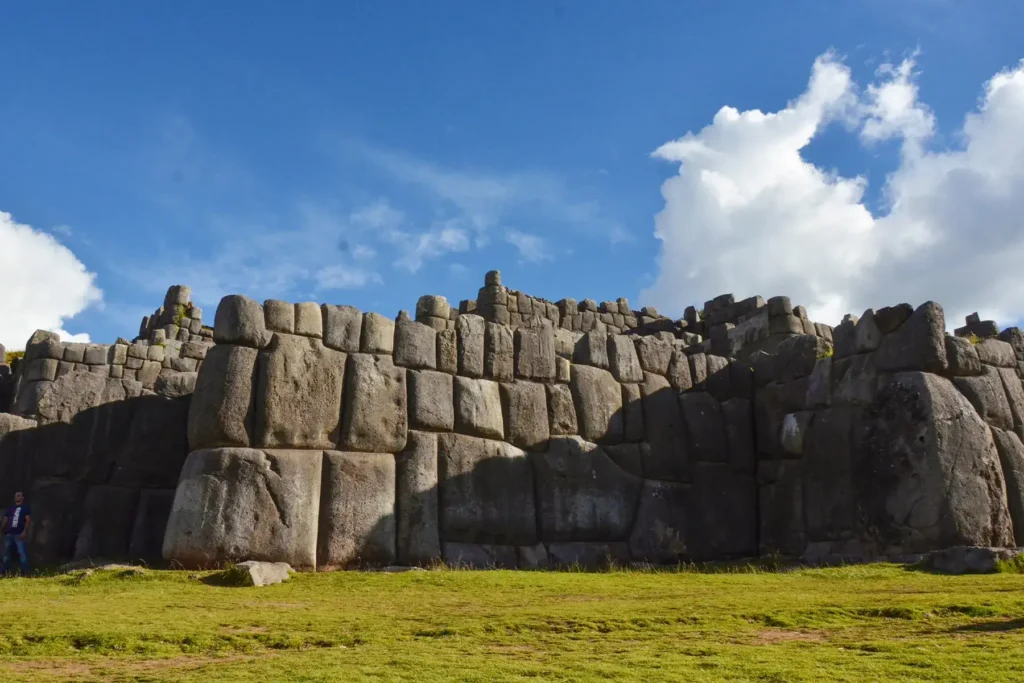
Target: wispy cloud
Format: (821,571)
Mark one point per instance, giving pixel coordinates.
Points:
(532,249)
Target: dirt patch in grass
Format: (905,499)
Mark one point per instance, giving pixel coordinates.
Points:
(72,670)
(775,636)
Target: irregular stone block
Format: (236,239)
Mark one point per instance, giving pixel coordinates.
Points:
(723,517)
(995,352)
(679,371)
(866,335)
(223,403)
(447,351)
(969,559)
(623,360)
(375,417)
(432,306)
(470,330)
(668,457)
(1011,456)
(117,354)
(357,510)
(919,344)
(107,519)
(480,556)
(1014,395)
(524,409)
(417,503)
(628,456)
(174,385)
(74,353)
(654,354)
(563,370)
(988,397)
(819,386)
(562,410)
(888,319)
(239,320)
(565,343)
(699,370)
(854,380)
(56,516)
(719,381)
(797,356)
(829,493)
(498,352)
(147,539)
(632,413)
(535,352)
(962,357)
(197,350)
(378,335)
(738,416)
(415,345)
(233,504)
(592,349)
(705,427)
(598,400)
(279,316)
(258,574)
(308,320)
(780,500)
(431,401)
(478,408)
(156,353)
(342,327)
(582,495)
(40,370)
(486,492)
(660,531)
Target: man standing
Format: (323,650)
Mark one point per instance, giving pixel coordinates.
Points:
(15,523)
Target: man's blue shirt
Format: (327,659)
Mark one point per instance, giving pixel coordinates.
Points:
(16,518)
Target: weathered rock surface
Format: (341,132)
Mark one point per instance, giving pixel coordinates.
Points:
(598,400)
(418,530)
(969,559)
(375,418)
(258,574)
(223,404)
(357,510)
(478,408)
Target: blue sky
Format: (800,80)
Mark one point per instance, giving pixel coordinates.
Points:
(367,153)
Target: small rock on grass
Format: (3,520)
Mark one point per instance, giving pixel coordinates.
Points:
(253,573)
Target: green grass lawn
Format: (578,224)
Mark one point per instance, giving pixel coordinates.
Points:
(867,623)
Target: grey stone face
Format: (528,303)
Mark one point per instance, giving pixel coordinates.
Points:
(598,400)
(888,319)
(562,410)
(147,537)
(624,363)
(486,492)
(175,385)
(299,394)
(535,352)
(592,349)
(525,414)
(632,413)
(1011,456)
(375,416)
(432,306)
(963,357)
(679,371)
(74,353)
(998,353)
(705,427)
(378,334)
(723,518)
(107,518)
(478,408)
(418,530)
(342,327)
(1014,395)
(447,351)
(780,501)
(987,395)
(41,370)
(854,380)
(415,346)
(919,344)
(234,504)
(223,403)
(498,352)
(654,354)
(308,320)
(582,495)
(829,493)
(737,413)
(431,401)
(669,456)
(660,532)
(279,316)
(357,510)
(470,332)
(239,320)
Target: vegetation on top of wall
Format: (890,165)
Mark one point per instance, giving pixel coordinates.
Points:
(12,355)
(827,353)
(179,314)
(973,338)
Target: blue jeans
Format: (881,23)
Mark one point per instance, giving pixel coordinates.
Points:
(12,542)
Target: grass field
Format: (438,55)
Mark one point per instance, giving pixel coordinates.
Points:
(867,623)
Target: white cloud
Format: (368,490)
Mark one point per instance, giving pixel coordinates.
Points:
(42,283)
(532,249)
(748,214)
(344,277)
(416,249)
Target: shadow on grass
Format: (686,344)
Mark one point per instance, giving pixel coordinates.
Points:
(991,626)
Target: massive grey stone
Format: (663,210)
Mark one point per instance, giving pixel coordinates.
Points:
(375,417)
(471,331)
(524,409)
(1011,456)
(669,457)
(279,316)
(223,403)
(854,380)
(107,518)
(780,500)
(357,510)
(40,370)
(378,334)
(416,505)
(962,357)
(928,474)
(258,574)
(723,516)
(65,398)
(582,495)
(719,381)
(432,306)
(654,354)
(342,327)
(478,408)
(829,494)
(239,320)
(987,395)
(447,351)
(660,531)
(919,344)
(498,352)
(299,394)
(705,427)
(866,335)
(431,401)
(598,399)
(888,319)
(485,492)
(969,559)
(308,320)
(632,413)
(535,352)
(561,410)
(415,345)
(1014,395)
(679,371)
(176,384)
(147,538)
(236,503)
(738,416)
(797,356)
(592,349)
(995,352)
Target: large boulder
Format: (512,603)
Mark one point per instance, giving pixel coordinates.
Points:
(223,404)
(660,530)
(669,458)
(469,330)
(918,344)
(524,409)
(582,495)
(1011,455)
(928,474)
(598,399)
(486,492)
(375,418)
(478,408)
(238,503)
(357,510)
(418,533)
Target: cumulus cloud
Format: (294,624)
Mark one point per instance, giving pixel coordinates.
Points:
(532,249)
(747,213)
(42,283)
